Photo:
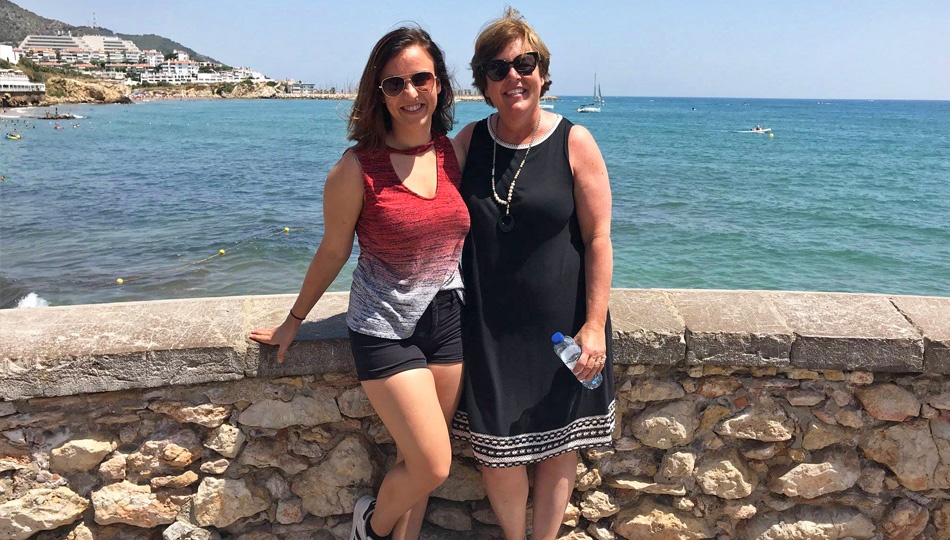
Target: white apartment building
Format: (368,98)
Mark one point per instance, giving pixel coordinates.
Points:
(138,69)
(80,49)
(217,77)
(174,72)
(43,55)
(109,44)
(108,75)
(299,88)
(248,73)
(120,53)
(37,42)
(153,58)
(74,56)
(15,81)
(8,53)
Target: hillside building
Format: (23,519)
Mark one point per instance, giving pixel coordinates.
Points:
(173,72)
(36,42)
(107,47)
(111,46)
(14,81)
(8,53)
(122,56)
(153,58)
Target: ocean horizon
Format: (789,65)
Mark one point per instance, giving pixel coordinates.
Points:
(845,196)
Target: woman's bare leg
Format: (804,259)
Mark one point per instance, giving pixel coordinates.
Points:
(405,403)
(507,490)
(553,484)
(448,386)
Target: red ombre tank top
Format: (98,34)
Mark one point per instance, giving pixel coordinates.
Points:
(410,245)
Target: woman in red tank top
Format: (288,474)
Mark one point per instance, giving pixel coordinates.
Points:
(397,190)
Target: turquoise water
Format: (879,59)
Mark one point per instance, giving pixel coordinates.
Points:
(848,196)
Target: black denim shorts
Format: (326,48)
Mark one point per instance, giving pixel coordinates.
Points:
(437,339)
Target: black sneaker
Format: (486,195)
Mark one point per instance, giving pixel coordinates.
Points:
(362,512)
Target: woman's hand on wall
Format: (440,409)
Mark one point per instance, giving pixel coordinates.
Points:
(282,336)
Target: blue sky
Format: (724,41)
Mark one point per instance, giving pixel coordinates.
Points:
(876,49)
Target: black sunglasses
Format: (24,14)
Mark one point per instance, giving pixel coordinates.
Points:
(422,82)
(524,64)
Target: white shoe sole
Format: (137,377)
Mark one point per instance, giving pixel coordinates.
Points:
(359,516)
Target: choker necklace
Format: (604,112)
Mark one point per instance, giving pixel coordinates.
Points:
(414,151)
(507,222)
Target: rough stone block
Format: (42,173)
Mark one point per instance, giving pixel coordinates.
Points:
(738,328)
(849,332)
(647,329)
(930,315)
(61,351)
(322,343)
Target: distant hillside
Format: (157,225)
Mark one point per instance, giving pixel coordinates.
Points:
(16,23)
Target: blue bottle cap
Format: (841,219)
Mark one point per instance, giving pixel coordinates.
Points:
(557,337)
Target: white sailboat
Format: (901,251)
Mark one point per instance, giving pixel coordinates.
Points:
(597,103)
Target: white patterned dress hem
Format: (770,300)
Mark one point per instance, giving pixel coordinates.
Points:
(496,452)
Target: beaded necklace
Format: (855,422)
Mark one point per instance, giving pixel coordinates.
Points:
(507,222)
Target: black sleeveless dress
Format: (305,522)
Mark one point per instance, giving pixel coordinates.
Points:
(520,404)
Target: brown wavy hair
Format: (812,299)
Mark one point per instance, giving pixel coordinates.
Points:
(493,39)
(370,120)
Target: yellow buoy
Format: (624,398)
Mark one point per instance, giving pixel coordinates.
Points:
(771,136)
(286,229)
(120,281)
(220,252)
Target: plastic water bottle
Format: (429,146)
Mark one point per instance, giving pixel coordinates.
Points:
(569,351)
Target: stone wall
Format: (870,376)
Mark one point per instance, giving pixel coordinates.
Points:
(742,415)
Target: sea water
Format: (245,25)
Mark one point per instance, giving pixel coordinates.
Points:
(849,196)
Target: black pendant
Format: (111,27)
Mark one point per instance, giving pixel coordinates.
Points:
(506,223)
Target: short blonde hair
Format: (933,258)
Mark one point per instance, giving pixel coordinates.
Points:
(493,39)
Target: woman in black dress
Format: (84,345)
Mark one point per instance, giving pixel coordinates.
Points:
(538,260)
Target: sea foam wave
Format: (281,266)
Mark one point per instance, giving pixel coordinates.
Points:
(32,300)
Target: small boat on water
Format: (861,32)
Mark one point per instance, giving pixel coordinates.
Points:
(13,136)
(597,103)
(758,129)
(547,102)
